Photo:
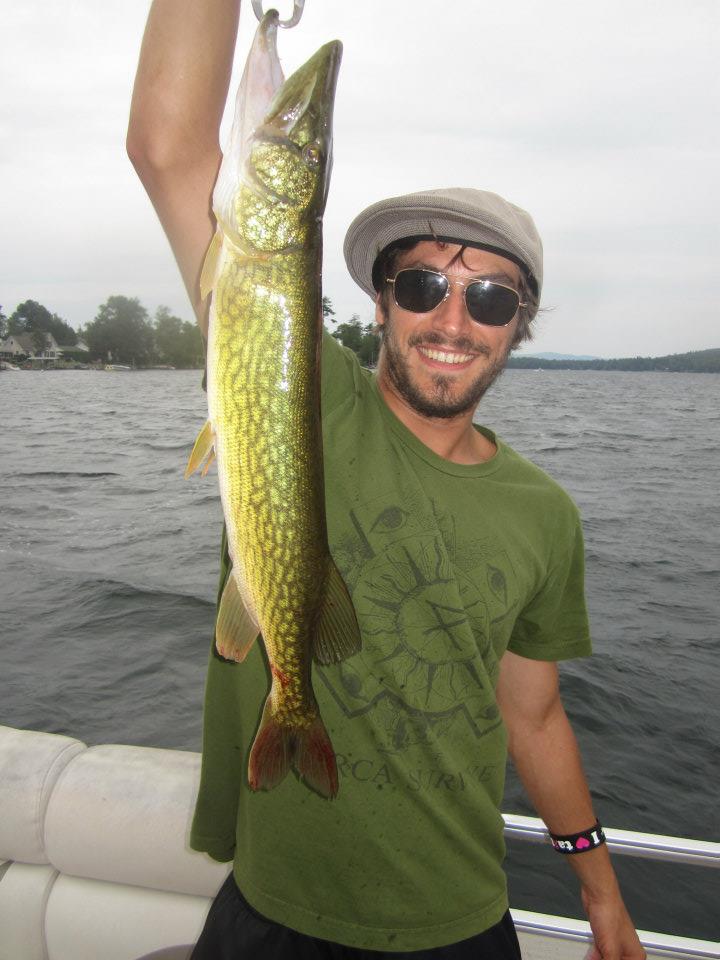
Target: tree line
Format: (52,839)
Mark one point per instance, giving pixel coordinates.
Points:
(121,332)
(697,361)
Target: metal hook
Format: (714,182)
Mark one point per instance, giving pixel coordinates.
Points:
(257,6)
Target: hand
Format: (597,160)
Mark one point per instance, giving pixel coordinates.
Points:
(613,931)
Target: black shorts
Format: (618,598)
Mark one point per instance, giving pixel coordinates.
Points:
(235,931)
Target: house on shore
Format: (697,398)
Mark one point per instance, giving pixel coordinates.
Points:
(20,347)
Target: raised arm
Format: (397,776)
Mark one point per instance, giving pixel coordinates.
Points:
(178,100)
(545,754)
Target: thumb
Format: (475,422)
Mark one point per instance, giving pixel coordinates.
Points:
(593,953)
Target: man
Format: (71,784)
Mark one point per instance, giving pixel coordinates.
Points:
(464,562)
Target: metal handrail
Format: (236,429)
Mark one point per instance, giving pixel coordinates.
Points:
(662,945)
(649,846)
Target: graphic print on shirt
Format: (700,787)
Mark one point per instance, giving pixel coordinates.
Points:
(429,608)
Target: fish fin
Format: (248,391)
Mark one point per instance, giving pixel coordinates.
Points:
(338,634)
(271,752)
(315,759)
(277,748)
(202,450)
(208,463)
(210,266)
(235,628)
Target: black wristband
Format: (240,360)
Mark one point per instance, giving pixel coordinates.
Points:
(579,842)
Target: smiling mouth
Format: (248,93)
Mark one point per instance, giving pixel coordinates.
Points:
(443,356)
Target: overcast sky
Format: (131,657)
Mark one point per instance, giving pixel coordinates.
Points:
(598,118)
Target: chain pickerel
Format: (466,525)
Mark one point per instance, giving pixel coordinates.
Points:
(263,380)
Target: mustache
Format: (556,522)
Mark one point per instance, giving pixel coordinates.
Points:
(459,345)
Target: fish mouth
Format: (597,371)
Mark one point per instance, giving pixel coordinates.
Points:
(310,90)
(303,106)
(329,58)
(298,119)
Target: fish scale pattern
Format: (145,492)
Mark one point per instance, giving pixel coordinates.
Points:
(269,450)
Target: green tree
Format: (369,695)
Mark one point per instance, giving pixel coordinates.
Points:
(362,340)
(168,331)
(33,318)
(39,339)
(369,346)
(178,342)
(192,343)
(350,334)
(121,333)
(3,325)
(327,309)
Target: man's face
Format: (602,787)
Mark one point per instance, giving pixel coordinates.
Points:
(441,363)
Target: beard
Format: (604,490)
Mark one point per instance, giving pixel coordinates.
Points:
(441,400)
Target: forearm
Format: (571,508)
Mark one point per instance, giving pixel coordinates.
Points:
(182,78)
(547,759)
(546,756)
(173,135)
(548,763)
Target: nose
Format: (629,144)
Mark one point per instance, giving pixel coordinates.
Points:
(451,316)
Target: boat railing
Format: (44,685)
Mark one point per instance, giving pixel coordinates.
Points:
(648,846)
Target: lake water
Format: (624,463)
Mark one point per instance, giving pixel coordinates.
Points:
(108,567)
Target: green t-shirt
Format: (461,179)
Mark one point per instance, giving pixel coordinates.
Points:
(448,566)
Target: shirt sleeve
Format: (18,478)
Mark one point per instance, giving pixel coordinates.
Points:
(340,370)
(554,625)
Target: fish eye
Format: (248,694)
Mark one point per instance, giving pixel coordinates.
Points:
(312,154)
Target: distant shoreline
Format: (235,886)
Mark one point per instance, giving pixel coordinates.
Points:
(699,361)
(93,368)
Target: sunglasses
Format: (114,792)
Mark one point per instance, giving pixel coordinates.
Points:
(420,291)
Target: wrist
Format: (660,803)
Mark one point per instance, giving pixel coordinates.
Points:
(581,842)
(598,890)
(596,876)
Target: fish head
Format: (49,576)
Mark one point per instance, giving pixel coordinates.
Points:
(290,158)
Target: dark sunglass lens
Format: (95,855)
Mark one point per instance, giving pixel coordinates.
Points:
(490,303)
(419,290)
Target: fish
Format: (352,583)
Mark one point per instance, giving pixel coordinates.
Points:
(263,271)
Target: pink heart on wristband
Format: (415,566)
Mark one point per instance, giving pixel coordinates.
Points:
(582,843)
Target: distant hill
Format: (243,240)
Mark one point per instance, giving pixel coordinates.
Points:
(699,361)
(559,356)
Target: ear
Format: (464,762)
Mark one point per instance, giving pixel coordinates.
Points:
(379,311)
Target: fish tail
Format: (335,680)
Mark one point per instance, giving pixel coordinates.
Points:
(315,759)
(278,747)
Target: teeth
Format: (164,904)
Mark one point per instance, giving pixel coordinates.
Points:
(444,357)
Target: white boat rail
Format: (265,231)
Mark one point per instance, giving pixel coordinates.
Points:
(648,846)
(564,931)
